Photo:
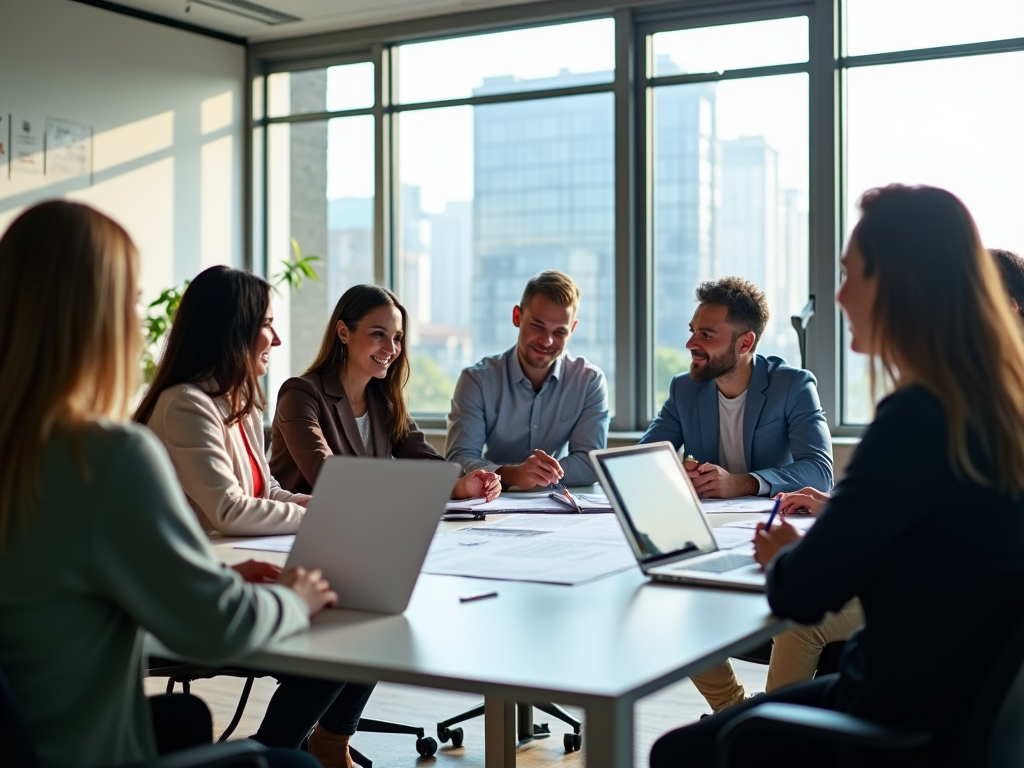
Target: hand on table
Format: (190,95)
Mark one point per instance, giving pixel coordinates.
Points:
(538,470)
(713,482)
(258,572)
(478,484)
(806,501)
(311,586)
(767,543)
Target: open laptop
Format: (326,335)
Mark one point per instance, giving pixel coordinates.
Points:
(369,526)
(664,522)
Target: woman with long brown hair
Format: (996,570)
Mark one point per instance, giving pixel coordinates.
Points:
(930,514)
(96,540)
(350,401)
(206,406)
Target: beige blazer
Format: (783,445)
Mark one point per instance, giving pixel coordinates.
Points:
(213,466)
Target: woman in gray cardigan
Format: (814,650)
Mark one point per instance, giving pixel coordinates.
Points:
(97,542)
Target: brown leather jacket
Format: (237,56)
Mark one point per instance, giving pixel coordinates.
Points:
(314,421)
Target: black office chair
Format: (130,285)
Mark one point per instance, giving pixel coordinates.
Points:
(17,749)
(993,738)
(185,674)
(526,729)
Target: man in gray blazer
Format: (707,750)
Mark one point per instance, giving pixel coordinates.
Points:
(754,424)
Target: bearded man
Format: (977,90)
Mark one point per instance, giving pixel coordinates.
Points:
(753,423)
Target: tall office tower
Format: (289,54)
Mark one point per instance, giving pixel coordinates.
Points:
(544,199)
(793,229)
(416,268)
(754,239)
(451,256)
(308,178)
(685,181)
(349,245)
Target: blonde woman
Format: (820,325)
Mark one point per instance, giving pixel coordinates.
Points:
(97,541)
(927,526)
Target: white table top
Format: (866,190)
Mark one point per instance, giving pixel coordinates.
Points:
(619,637)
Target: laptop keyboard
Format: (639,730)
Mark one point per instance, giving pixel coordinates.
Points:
(719,564)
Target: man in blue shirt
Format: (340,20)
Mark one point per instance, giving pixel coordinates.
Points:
(754,424)
(532,413)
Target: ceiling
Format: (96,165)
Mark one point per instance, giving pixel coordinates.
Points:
(314,15)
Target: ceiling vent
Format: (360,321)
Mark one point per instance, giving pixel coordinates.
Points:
(249,10)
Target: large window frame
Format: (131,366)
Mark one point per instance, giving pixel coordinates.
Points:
(635,21)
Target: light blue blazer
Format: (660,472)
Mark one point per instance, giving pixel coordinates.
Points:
(785,435)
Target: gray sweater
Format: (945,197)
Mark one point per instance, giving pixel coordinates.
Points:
(101,559)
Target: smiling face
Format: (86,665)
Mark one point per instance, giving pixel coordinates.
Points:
(856,295)
(713,350)
(374,344)
(544,330)
(266,339)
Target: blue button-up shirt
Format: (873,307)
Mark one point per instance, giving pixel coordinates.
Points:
(497,419)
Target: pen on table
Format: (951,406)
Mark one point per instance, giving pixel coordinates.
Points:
(481,596)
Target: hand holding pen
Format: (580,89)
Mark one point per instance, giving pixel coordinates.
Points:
(768,541)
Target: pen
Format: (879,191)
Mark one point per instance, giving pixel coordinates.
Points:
(775,511)
(572,501)
(481,596)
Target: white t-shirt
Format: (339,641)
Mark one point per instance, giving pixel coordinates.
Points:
(730,438)
(365,433)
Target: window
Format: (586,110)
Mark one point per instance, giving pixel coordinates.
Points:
(320,195)
(730,180)
(949,122)
(496,191)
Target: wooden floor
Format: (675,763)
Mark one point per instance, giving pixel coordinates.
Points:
(672,707)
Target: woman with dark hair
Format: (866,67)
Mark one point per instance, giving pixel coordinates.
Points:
(96,540)
(205,404)
(930,514)
(350,402)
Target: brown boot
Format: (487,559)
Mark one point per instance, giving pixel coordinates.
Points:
(331,749)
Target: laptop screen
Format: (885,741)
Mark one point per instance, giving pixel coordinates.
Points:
(657,502)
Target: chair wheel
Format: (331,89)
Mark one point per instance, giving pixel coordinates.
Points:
(577,741)
(426,747)
(572,742)
(443,734)
(457,735)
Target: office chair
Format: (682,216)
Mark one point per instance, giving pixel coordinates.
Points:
(184,673)
(993,737)
(17,749)
(526,729)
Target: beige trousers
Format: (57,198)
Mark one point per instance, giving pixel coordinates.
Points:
(794,658)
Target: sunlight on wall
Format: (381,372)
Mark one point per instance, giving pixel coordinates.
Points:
(132,141)
(217,200)
(217,112)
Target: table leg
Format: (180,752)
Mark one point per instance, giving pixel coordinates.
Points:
(608,734)
(524,720)
(499,733)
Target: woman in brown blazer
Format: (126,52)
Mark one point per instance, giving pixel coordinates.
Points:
(350,402)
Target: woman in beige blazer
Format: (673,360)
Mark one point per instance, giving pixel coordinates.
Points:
(350,402)
(205,404)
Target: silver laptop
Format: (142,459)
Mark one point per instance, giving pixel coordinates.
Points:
(664,522)
(369,526)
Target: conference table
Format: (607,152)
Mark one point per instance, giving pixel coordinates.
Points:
(600,646)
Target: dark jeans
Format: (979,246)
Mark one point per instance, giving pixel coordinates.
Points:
(300,702)
(181,720)
(694,745)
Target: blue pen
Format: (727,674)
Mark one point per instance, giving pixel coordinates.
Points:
(775,511)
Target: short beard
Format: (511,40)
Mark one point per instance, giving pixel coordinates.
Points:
(716,366)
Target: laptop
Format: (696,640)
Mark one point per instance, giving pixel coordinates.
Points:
(369,525)
(662,518)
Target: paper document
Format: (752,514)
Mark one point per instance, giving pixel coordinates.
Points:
(731,538)
(803,522)
(267,543)
(541,548)
(530,502)
(738,505)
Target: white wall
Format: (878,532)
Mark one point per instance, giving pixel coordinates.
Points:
(166,110)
